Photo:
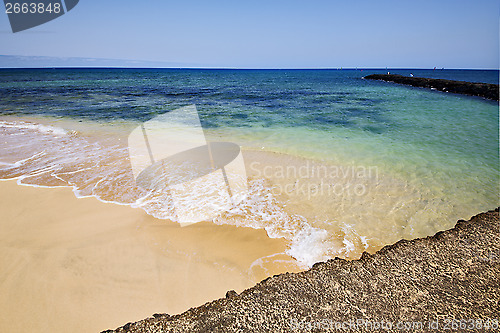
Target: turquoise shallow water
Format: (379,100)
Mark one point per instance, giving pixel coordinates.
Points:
(436,154)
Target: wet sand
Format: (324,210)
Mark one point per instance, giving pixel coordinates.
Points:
(423,285)
(81,265)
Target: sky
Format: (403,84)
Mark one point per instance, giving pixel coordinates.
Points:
(269,34)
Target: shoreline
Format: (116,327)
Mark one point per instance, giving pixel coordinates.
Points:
(323,208)
(451,276)
(135,254)
(485,90)
(81,265)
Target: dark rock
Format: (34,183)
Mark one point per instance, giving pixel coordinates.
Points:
(127,326)
(453,275)
(486,90)
(231,294)
(158,315)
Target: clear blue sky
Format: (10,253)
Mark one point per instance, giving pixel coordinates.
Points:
(271,34)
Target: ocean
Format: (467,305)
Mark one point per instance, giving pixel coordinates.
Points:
(336,164)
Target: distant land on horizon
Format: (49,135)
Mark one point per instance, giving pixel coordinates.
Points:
(16,61)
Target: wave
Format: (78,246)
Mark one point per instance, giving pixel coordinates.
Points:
(46,129)
(49,156)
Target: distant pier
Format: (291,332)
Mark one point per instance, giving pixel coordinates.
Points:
(486,90)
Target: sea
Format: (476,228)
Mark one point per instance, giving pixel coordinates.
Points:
(335,164)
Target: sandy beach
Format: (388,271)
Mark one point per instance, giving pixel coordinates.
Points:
(81,265)
(424,285)
(103,251)
(251,167)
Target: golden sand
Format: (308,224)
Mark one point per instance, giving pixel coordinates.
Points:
(81,265)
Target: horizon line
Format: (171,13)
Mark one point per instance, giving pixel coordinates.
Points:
(255,68)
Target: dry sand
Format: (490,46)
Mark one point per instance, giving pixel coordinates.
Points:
(81,265)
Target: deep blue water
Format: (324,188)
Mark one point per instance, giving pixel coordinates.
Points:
(297,95)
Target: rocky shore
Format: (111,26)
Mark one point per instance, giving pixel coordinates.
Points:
(486,90)
(449,279)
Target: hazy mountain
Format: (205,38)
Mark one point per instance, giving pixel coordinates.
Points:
(12,61)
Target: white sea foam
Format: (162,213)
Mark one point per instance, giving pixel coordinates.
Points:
(261,262)
(308,244)
(57,131)
(364,240)
(102,170)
